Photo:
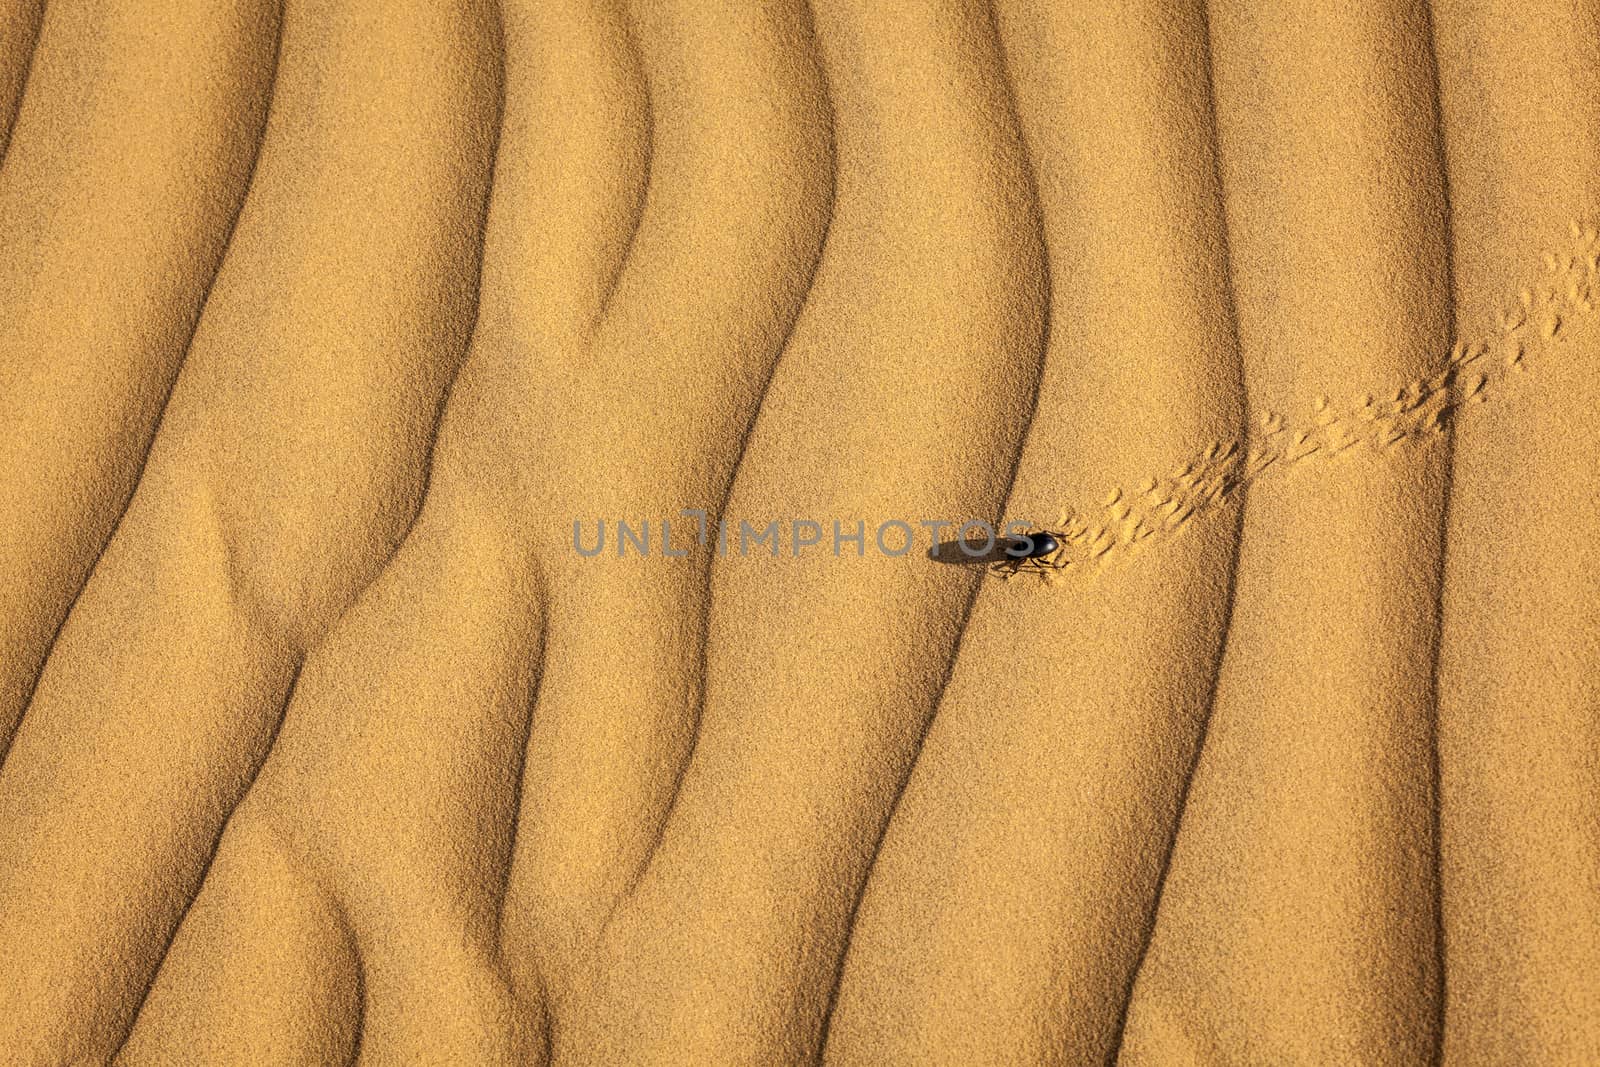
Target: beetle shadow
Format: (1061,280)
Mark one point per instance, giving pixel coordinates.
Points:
(974,553)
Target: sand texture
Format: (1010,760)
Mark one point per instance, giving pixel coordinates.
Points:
(468,472)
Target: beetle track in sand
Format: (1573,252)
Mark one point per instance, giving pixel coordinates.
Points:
(1163,507)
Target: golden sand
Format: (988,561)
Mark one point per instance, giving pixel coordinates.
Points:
(1420,409)
(322,321)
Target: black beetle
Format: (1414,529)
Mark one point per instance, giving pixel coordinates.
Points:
(1033,546)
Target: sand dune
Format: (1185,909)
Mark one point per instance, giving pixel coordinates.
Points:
(288,462)
(333,331)
(1517,696)
(1297,915)
(1069,722)
(124,176)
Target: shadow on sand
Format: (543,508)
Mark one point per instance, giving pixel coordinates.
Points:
(973,552)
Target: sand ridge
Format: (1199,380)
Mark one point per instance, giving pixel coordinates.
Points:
(289,458)
(126,167)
